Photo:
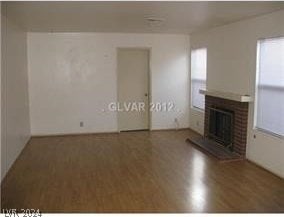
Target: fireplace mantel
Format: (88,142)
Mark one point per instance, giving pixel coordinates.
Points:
(226,95)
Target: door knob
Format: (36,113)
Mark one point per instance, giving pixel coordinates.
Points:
(146,94)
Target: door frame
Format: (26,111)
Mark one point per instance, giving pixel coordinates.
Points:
(149,49)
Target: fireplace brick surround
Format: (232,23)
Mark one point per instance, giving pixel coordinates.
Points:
(240,110)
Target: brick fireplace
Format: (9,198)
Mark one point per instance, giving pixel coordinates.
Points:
(239,109)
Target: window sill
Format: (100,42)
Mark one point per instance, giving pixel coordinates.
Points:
(269,133)
(197,109)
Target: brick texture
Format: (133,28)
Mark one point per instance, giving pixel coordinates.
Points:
(240,110)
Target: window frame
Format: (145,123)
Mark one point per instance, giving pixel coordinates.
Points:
(191,92)
(257,75)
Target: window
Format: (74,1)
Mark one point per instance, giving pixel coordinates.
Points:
(198,77)
(270,86)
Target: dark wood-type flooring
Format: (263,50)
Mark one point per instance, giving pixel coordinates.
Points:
(135,172)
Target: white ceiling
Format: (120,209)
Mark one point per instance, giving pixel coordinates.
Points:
(179,17)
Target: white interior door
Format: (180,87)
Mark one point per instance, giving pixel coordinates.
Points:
(133,71)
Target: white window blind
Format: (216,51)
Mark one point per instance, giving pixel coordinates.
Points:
(198,77)
(270,86)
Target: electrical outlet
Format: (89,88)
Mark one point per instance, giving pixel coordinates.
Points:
(81,124)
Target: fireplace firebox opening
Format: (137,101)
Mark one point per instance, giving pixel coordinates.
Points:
(221,126)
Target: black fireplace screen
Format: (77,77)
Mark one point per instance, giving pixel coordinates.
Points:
(221,124)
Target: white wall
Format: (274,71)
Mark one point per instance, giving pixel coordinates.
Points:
(3,90)
(0,95)
(14,91)
(72,77)
(232,67)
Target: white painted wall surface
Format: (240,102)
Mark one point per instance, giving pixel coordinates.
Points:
(3,90)
(14,87)
(72,77)
(232,67)
(0,95)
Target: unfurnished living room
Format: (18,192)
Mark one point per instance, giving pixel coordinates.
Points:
(142,107)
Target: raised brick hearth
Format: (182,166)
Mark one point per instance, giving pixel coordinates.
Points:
(240,110)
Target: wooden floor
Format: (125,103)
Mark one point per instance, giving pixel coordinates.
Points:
(135,172)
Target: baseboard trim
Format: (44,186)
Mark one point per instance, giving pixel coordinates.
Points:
(195,131)
(106,132)
(264,168)
(170,129)
(73,134)
(17,158)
